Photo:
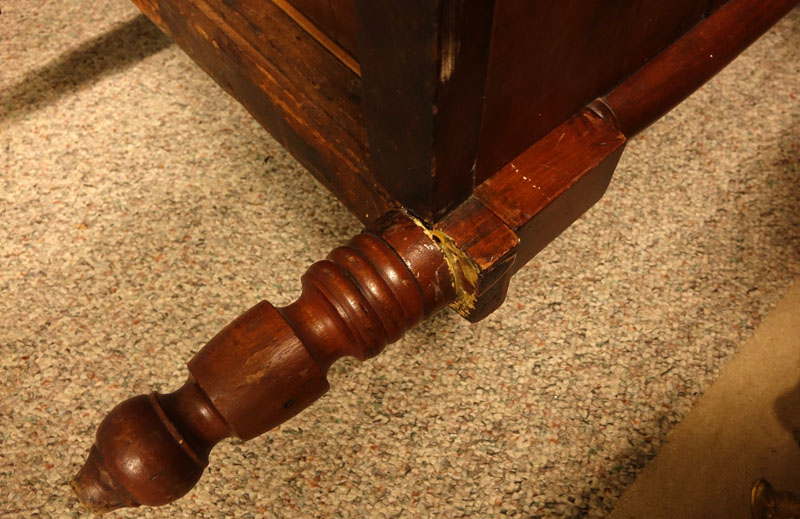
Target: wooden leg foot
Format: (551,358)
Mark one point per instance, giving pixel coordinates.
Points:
(268,365)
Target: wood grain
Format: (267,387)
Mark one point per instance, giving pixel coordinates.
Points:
(335,18)
(490,247)
(423,67)
(305,97)
(325,34)
(271,363)
(268,365)
(691,61)
(546,188)
(549,59)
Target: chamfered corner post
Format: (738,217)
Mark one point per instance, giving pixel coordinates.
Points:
(268,364)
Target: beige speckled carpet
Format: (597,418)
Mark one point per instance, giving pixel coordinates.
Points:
(746,427)
(141,209)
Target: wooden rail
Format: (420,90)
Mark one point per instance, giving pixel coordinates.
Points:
(687,64)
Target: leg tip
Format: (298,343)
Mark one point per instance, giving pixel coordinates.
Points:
(95,488)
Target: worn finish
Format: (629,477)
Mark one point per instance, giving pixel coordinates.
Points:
(268,365)
(691,61)
(547,187)
(271,363)
(307,99)
(450,90)
(549,59)
(524,206)
(488,247)
(423,66)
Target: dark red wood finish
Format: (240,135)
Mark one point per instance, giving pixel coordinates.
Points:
(546,188)
(268,365)
(490,247)
(713,5)
(691,61)
(335,18)
(549,59)
(307,99)
(423,67)
(271,363)
(450,90)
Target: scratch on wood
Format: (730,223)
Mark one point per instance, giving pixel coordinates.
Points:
(449,43)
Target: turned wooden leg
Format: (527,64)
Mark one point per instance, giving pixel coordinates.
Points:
(268,365)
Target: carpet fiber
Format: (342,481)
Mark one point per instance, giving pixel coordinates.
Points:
(745,427)
(141,209)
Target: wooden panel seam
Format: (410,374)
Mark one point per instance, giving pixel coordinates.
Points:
(311,28)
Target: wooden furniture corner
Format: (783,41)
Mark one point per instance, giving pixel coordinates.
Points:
(466,135)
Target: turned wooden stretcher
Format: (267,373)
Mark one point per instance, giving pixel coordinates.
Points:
(466,135)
